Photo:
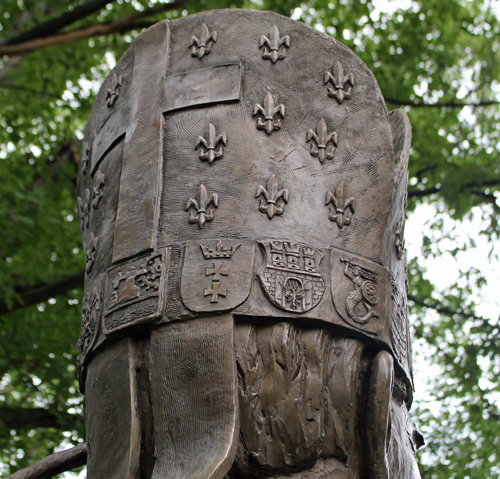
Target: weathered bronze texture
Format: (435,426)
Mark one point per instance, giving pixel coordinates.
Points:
(245,316)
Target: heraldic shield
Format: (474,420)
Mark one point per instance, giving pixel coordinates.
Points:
(241,200)
(291,278)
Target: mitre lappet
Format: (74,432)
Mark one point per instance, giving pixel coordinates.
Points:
(241,200)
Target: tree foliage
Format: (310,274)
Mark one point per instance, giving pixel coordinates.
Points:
(434,58)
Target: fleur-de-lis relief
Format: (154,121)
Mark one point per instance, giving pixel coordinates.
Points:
(98,189)
(342,209)
(321,138)
(84,210)
(202,46)
(90,252)
(85,157)
(201,204)
(268,112)
(114,91)
(273,45)
(339,80)
(399,240)
(274,199)
(91,306)
(212,148)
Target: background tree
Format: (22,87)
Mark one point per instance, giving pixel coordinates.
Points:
(438,59)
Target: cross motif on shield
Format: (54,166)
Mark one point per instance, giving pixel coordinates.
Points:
(217,270)
(215,292)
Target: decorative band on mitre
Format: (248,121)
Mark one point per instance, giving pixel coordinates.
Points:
(287,280)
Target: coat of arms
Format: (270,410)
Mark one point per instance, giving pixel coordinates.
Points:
(358,290)
(292,279)
(217,274)
(134,292)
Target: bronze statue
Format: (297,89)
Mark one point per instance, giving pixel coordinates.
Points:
(241,197)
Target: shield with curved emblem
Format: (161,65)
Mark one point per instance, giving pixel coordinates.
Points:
(358,291)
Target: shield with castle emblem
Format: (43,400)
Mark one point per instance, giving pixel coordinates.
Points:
(292,279)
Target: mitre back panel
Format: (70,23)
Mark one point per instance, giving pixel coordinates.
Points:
(267,118)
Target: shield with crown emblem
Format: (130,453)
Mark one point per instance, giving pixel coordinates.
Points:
(217,274)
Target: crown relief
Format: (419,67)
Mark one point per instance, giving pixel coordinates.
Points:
(219,251)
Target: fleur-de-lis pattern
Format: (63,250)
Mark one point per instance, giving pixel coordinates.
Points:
(339,81)
(90,251)
(321,138)
(84,210)
(100,181)
(212,148)
(203,45)
(201,204)
(399,240)
(114,91)
(274,46)
(90,319)
(341,210)
(85,157)
(274,199)
(268,113)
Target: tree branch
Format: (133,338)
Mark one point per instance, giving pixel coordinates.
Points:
(39,293)
(492,199)
(118,26)
(32,418)
(437,306)
(450,104)
(420,193)
(53,25)
(54,464)
(30,90)
(434,189)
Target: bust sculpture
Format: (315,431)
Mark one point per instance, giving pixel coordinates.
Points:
(241,200)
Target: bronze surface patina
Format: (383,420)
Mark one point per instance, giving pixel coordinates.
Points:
(241,198)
